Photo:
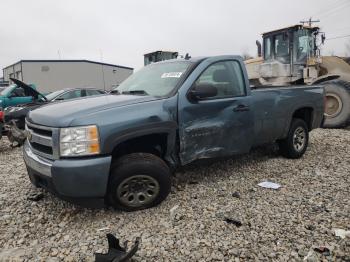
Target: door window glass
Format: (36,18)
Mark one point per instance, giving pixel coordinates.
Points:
(18,92)
(282,47)
(93,92)
(226,76)
(302,46)
(70,95)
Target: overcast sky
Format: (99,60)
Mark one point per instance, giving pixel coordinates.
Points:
(122,31)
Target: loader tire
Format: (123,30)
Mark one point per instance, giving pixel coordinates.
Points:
(337,104)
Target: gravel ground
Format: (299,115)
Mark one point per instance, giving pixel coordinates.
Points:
(192,224)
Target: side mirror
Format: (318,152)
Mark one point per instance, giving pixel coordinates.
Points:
(202,91)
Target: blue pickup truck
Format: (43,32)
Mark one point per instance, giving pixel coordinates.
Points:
(120,149)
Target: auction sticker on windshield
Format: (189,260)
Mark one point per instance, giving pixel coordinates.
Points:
(171,74)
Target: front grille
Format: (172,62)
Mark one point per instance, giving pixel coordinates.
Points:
(42,131)
(42,140)
(42,148)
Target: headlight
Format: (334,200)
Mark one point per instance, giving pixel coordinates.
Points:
(79,141)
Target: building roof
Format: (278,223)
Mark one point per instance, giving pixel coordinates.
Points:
(82,60)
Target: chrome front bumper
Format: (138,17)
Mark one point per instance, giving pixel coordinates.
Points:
(37,163)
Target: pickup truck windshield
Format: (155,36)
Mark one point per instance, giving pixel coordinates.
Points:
(155,79)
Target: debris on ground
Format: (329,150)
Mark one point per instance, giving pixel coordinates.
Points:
(116,253)
(233,221)
(323,250)
(311,256)
(310,227)
(104,229)
(341,233)
(271,185)
(35,197)
(236,194)
(173,212)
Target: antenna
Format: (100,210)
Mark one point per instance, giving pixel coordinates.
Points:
(310,21)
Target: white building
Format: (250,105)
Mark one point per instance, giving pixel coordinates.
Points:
(52,75)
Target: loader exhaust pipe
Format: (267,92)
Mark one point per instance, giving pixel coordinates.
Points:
(258,44)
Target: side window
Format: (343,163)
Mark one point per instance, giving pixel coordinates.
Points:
(281,45)
(267,48)
(70,95)
(90,92)
(226,76)
(18,92)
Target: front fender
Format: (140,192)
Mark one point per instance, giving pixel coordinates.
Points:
(167,127)
(325,78)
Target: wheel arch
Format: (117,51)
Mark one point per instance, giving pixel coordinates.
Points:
(156,139)
(305,113)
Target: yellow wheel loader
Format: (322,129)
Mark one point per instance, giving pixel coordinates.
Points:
(292,56)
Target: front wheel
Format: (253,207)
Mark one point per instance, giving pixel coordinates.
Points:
(138,181)
(295,144)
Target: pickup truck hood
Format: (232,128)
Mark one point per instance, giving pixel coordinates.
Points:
(63,113)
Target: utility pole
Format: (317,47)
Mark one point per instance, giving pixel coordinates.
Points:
(310,21)
(103,72)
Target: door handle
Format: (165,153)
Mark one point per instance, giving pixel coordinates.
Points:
(241,108)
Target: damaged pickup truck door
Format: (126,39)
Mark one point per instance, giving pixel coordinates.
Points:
(215,124)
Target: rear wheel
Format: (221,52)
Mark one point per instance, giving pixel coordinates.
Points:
(138,181)
(295,144)
(337,104)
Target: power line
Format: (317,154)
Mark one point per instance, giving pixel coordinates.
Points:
(336,28)
(338,37)
(329,7)
(335,10)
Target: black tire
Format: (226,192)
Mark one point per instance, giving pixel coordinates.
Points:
(337,96)
(288,147)
(134,174)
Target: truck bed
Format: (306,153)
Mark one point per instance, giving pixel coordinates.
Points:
(274,104)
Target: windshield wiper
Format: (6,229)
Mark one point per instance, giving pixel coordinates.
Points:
(135,92)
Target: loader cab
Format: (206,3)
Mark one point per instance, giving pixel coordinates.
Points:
(292,45)
(158,56)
